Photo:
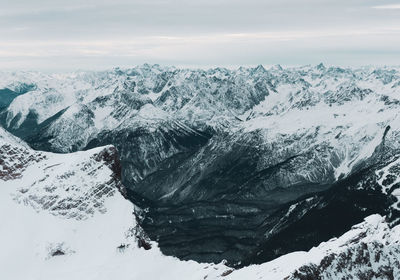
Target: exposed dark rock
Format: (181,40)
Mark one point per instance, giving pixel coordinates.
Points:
(57,252)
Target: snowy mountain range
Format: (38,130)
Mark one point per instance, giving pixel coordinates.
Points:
(247,165)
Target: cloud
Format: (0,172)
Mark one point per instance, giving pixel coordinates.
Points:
(387,7)
(106,33)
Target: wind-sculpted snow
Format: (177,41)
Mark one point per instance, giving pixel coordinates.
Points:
(219,156)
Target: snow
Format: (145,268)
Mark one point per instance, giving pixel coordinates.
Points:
(360,123)
(392,170)
(7,138)
(277,269)
(149,112)
(101,115)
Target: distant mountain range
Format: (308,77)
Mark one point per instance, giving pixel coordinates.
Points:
(244,165)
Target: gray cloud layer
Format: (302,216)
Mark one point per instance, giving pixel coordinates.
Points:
(57,35)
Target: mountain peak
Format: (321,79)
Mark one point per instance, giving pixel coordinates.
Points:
(277,67)
(321,67)
(259,69)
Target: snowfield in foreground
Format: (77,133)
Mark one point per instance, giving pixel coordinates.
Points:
(64,216)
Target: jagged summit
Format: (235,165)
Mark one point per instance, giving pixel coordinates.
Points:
(259,69)
(321,67)
(276,67)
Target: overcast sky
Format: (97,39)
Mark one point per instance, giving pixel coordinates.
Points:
(97,34)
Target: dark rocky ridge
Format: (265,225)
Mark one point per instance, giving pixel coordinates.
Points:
(8,95)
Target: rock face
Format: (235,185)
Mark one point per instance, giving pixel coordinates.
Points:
(74,186)
(230,164)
